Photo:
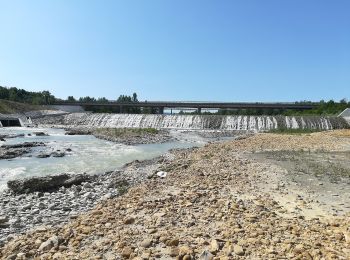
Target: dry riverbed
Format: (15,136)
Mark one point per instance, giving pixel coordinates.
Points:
(253,198)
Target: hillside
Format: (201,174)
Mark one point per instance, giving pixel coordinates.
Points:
(10,107)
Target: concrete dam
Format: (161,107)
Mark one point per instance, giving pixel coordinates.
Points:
(195,122)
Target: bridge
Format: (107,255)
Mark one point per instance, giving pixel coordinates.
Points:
(161,105)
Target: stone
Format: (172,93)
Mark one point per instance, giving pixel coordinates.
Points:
(58,154)
(172,242)
(3,219)
(53,241)
(129,220)
(185,250)
(40,134)
(238,250)
(298,249)
(146,243)
(214,246)
(173,251)
(47,183)
(127,251)
(46,246)
(43,155)
(206,255)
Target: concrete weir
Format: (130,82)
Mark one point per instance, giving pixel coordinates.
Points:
(9,121)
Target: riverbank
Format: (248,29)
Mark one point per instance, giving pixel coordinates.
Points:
(215,201)
(128,136)
(34,209)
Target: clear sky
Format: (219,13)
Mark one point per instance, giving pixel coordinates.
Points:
(234,50)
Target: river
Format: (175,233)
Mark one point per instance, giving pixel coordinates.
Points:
(88,154)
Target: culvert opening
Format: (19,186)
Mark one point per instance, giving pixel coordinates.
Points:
(10,122)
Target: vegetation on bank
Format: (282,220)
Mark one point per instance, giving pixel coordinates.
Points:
(123,132)
(10,107)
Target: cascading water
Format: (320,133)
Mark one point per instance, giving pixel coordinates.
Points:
(196,122)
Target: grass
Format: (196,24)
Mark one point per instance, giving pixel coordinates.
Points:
(318,163)
(293,131)
(10,107)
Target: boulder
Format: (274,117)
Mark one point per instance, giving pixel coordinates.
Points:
(47,183)
(40,134)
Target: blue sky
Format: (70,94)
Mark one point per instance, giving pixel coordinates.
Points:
(234,50)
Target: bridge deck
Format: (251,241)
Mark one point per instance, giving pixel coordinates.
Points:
(200,105)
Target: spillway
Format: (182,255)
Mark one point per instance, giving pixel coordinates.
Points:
(197,122)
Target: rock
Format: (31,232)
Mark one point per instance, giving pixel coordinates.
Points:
(238,250)
(214,246)
(23,145)
(162,174)
(4,225)
(206,255)
(173,251)
(27,206)
(47,183)
(46,246)
(40,134)
(3,219)
(185,251)
(127,251)
(11,257)
(227,249)
(57,256)
(21,256)
(298,249)
(129,220)
(173,242)
(78,132)
(146,243)
(43,155)
(16,150)
(58,154)
(88,195)
(10,237)
(87,186)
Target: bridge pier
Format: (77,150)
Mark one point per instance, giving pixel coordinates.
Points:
(199,110)
(161,110)
(121,109)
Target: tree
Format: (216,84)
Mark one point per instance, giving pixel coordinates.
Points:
(102,100)
(4,93)
(71,99)
(134,97)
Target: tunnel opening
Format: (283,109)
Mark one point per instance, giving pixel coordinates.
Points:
(8,122)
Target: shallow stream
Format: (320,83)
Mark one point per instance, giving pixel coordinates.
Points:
(88,154)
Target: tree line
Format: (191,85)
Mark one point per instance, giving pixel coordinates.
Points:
(46,98)
(29,97)
(330,107)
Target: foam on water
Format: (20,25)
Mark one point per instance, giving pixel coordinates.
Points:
(253,123)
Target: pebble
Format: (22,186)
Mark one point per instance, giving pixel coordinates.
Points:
(238,250)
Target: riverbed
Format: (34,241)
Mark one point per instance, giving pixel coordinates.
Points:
(83,153)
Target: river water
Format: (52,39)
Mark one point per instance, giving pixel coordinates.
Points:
(89,154)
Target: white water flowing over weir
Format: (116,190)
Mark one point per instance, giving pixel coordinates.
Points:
(198,122)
